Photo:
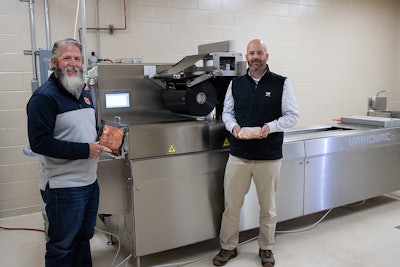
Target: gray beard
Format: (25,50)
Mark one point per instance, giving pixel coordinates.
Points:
(74,84)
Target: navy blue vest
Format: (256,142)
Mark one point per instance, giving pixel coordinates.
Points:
(255,105)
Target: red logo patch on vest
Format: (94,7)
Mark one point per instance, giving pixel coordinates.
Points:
(87,100)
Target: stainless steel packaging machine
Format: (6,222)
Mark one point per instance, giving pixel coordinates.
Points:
(165,189)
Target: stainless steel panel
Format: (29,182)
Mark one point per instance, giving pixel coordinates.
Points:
(370,120)
(379,114)
(146,102)
(218,136)
(177,200)
(112,176)
(152,140)
(384,113)
(290,195)
(342,170)
(357,140)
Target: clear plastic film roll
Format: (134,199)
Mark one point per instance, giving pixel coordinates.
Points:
(198,100)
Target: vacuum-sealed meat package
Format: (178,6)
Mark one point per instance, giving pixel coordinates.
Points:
(249,133)
(112,138)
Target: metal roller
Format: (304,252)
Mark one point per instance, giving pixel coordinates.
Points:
(198,100)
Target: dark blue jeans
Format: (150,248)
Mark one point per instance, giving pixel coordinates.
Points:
(72,217)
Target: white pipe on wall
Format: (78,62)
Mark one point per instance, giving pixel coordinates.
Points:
(84,41)
(76,18)
(47,24)
(35,82)
(96,6)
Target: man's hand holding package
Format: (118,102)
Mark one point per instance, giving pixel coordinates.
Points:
(96,149)
(248,133)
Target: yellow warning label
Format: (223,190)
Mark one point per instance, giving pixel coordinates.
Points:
(226,143)
(171,149)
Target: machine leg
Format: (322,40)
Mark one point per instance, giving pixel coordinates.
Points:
(138,261)
(110,241)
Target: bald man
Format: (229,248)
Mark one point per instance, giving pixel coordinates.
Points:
(263,104)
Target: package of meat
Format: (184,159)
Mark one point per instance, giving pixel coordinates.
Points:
(112,137)
(249,133)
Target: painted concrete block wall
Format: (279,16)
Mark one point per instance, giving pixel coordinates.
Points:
(337,53)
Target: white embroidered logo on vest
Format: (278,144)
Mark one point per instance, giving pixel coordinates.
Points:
(268,94)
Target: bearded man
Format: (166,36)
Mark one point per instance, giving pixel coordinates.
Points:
(62,131)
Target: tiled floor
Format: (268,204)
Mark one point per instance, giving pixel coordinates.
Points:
(351,236)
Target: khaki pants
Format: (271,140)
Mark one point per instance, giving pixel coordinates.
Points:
(238,175)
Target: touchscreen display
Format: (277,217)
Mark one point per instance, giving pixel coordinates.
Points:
(117,100)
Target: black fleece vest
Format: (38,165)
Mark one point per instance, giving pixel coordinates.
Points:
(255,105)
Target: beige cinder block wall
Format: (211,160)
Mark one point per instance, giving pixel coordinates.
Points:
(336,53)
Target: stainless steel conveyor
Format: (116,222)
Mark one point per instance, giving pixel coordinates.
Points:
(327,166)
